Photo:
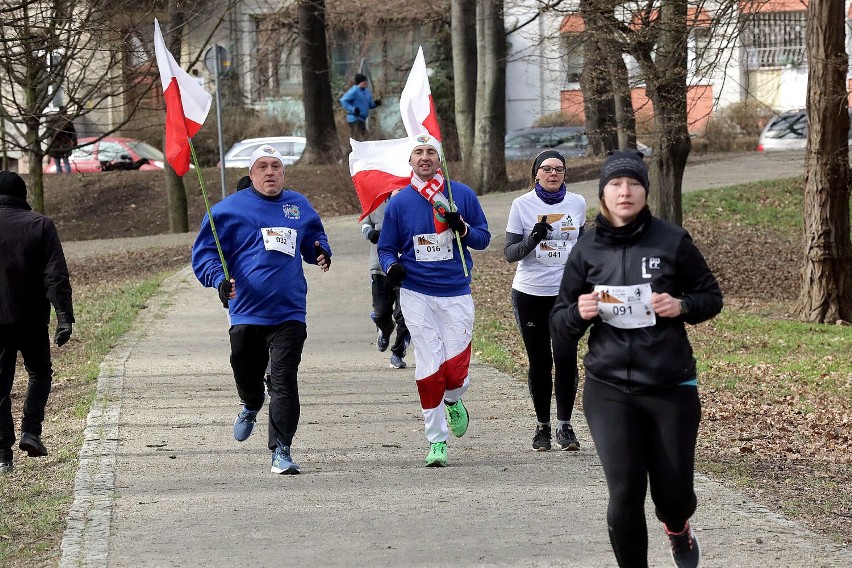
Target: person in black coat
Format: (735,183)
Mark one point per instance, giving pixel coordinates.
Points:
(64,140)
(635,281)
(33,276)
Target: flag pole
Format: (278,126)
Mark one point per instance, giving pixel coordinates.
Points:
(209,213)
(453,208)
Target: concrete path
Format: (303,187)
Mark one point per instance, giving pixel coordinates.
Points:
(163,483)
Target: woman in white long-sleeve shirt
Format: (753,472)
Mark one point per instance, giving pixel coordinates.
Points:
(543,226)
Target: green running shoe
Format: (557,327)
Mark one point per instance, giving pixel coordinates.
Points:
(437,455)
(457,418)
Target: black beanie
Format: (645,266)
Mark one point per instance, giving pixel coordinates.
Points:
(13,185)
(626,163)
(359,78)
(542,157)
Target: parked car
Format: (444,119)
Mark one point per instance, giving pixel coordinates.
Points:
(787,131)
(570,141)
(527,143)
(112,153)
(291,148)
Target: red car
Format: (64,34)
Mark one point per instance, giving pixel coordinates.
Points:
(111,153)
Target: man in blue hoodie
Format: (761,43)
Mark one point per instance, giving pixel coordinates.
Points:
(265,232)
(419,251)
(358,101)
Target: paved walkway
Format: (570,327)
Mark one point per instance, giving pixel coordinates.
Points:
(163,483)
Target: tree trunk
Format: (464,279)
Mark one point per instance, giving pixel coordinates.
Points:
(320,129)
(34,152)
(489,157)
(465,73)
(665,80)
(177,203)
(175,190)
(826,293)
(596,82)
(625,119)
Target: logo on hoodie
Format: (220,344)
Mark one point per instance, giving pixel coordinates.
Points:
(292,211)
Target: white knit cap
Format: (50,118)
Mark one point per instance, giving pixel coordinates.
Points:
(421,139)
(265,151)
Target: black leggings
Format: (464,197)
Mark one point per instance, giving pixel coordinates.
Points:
(532,314)
(644,438)
(252,346)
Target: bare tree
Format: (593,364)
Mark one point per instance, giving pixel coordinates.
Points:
(58,54)
(464,71)
(826,293)
(320,130)
(489,159)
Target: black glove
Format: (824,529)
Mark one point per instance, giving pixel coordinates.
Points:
(378,102)
(396,274)
(540,230)
(63,329)
(357,111)
(225,289)
(373,236)
(455,221)
(318,250)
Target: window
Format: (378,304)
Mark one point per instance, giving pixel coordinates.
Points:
(110,151)
(775,39)
(572,63)
(277,69)
(702,56)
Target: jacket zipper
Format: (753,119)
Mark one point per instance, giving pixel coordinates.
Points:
(629,335)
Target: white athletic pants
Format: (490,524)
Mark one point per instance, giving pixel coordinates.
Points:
(440,332)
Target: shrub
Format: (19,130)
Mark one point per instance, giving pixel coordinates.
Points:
(558,118)
(736,127)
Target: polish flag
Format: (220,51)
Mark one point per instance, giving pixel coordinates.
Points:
(187,105)
(415,102)
(379,167)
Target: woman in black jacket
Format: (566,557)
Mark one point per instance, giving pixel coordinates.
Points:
(635,280)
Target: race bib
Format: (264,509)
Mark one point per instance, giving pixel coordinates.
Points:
(553,252)
(626,307)
(430,247)
(281,239)
(556,247)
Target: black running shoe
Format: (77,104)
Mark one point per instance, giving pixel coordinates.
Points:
(685,550)
(541,440)
(566,439)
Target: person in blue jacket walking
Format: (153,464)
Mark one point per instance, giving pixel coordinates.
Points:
(358,101)
(265,233)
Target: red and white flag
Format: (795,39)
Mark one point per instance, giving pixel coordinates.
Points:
(379,167)
(415,102)
(187,105)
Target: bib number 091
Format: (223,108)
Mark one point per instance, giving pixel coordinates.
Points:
(622,310)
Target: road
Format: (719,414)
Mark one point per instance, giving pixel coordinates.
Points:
(162,482)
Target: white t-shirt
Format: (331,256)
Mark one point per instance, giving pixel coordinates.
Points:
(540,272)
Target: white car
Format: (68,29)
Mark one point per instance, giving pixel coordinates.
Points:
(291,148)
(788,131)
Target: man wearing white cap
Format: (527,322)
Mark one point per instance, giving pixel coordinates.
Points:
(418,252)
(265,232)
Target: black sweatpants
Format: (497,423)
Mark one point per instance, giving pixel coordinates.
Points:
(532,314)
(389,313)
(641,439)
(33,342)
(252,347)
